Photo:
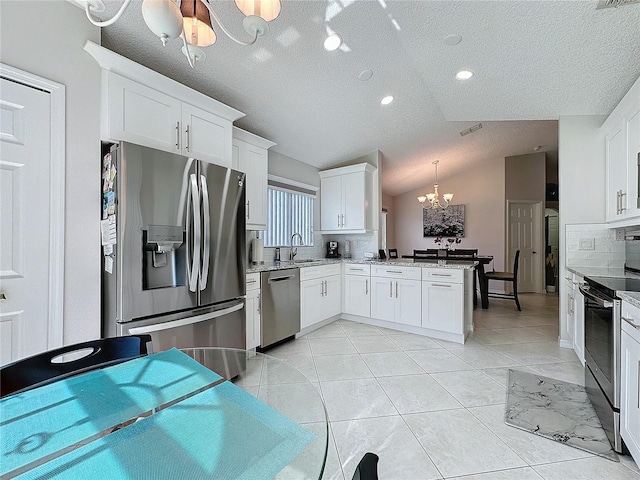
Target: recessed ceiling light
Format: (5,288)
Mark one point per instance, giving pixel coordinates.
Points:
(464,75)
(452,39)
(386,100)
(332,42)
(365,75)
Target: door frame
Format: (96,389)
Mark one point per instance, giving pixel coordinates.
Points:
(57,92)
(539,234)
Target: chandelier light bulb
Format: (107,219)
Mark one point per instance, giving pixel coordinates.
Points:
(268,10)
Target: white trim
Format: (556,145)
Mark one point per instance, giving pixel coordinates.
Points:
(252,138)
(293,183)
(56,196)
(113,62)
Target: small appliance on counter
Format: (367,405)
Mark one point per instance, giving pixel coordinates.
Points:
(257,251)
(332,249)
(347,249)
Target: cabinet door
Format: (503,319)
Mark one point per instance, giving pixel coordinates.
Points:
(206,136)
(578,320)
(332,296)
(442,307)
(616,161)
(382,300)
(253,161)
(141,115)
(331,213)
(353,190)
(311,302)
(253,318)
(356,295)
(571,309)
(407,299)
(633,147)
(630,398)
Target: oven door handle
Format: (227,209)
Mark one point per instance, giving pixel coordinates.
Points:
(585,290)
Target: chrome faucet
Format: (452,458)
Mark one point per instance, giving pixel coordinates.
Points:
(294,250)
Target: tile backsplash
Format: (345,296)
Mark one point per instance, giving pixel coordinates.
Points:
(593,245)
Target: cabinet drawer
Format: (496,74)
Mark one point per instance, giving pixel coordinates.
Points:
(253,281)
(318,271)
(446,275)
(357,269)
(631,313)
(392,271)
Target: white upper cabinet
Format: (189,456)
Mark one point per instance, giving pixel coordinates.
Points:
(143,107)
(622,150)
(250,155)
(348,199)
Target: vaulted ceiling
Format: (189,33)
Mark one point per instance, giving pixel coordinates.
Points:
(533,61)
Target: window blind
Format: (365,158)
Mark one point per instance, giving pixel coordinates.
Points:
(289,212)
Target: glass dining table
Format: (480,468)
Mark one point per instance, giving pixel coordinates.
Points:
(192,413)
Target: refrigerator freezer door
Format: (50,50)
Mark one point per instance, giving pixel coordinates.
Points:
(223,325)
(223,205)
(153,191)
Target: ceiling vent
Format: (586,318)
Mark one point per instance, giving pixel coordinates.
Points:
(478,126)
(614,3)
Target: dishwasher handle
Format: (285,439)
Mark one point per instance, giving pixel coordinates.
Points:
(279,279)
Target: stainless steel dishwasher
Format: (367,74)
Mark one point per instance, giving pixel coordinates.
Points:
(280,305)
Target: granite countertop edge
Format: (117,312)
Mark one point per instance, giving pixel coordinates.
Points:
(630,297)
(616,272)
(268,266)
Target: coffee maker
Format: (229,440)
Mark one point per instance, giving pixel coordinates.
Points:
(332,249)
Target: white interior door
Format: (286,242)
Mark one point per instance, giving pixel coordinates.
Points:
(525,229)
(25,172)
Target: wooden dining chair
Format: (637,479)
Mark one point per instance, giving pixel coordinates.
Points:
(506,277)
(462,253)
(429,252)
(393,253)
(367,468)
(50,366)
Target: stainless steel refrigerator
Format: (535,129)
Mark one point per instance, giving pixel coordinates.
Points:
(177,268)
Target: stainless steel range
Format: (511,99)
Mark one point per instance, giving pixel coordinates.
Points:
(602,349)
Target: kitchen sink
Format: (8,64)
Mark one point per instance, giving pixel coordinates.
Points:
(306,261)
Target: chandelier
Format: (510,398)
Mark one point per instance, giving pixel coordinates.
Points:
(190,20)
(434,200)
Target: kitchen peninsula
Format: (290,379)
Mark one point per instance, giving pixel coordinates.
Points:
(431,298)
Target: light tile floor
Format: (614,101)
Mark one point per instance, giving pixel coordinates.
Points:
(433,409)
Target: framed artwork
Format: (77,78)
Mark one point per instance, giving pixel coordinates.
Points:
(443,222)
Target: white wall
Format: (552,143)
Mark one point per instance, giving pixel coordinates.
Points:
(481,191)
(46,38)
(581,185)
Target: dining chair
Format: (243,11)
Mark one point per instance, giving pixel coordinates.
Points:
(393,253)
(429,252)
(506,277)
(367,468)
(462,253)
(52,365)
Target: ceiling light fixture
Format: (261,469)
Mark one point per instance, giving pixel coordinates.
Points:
(434,200)
(464,75)
(469,130)
(386,100)
(191,21)
(332,42)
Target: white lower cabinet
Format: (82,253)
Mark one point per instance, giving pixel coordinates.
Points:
(442,306)
(320,294)
(357,290)
(252,308)
(630,379)
(395,294)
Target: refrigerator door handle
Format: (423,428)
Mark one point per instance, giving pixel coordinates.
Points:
(156,327)
(193,216)
(204,270)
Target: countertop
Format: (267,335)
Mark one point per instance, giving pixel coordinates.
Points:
(631,297)
(405,262)
(598,272)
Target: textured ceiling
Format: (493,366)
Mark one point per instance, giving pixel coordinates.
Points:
(533,61)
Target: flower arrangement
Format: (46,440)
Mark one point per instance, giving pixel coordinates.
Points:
(447,243)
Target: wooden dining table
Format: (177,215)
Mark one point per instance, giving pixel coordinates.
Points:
(169,415)
(481,261)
